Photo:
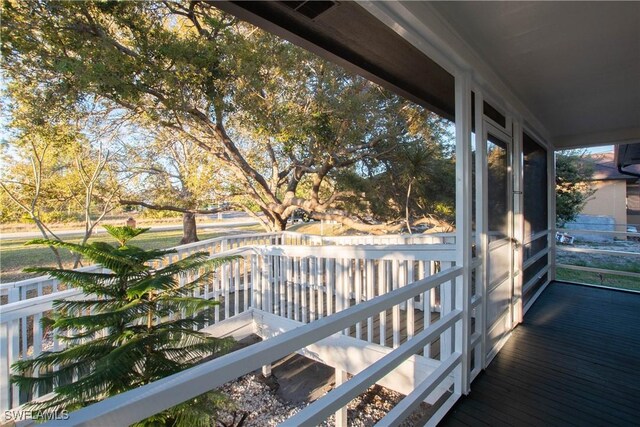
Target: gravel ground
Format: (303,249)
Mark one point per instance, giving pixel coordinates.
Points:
(255,396)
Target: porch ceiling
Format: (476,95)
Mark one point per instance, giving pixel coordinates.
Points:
(575,65)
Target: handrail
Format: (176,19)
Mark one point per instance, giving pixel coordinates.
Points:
(322,408)
(396,252)
(135,405)
(296,282)
(35,282)
(16,291)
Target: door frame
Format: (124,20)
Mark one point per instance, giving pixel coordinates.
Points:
(507,315)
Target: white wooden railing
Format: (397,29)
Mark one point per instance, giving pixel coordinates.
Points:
(44,285)
(138,404)
(302,283)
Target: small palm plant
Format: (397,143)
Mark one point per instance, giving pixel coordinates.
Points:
(134,325)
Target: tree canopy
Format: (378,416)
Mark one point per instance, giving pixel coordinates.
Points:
(573,186)
(288,129)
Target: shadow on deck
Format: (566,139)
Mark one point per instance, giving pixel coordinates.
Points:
(575,360)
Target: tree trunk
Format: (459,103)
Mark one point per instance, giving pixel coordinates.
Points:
(189,228)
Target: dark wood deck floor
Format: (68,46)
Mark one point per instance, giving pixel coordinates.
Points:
(575,360)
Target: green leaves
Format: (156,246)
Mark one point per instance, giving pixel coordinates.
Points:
(573,184)
(125,233)
(136,324)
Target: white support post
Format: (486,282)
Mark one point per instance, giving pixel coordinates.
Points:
(482,225)
(341,414)
(463,224)
(551,203)
(518,221)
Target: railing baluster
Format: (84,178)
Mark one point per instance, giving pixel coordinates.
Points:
(323,286)
(425,271)
(245,273)
(5,366)
(13,351)
(236,287)
(409,278)
(267,284)
(297,282)
(216,294)
(281,286)
(358,293)
(395,317)
(304,284)
(370,295)
(446,306)
(382,285)
(313,287)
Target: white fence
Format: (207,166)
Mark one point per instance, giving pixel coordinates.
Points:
(44,285)
(298,282)
(135,405)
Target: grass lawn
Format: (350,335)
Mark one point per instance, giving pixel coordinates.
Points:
(14,255)
(611,280)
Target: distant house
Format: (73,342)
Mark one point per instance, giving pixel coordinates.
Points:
(617,195)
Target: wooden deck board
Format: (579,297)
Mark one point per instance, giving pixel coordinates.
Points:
(573,361)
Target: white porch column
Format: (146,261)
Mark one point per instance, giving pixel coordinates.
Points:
(551,203)
(482,226)
(518,221)
(341,414)
(463,223)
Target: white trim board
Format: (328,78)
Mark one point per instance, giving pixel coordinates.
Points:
(338,351)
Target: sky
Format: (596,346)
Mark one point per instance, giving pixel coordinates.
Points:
(602,149)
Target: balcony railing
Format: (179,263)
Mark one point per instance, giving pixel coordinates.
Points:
(305,284)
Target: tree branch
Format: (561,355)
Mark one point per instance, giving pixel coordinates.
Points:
(172,208)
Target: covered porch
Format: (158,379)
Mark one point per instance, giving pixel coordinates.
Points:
(571,361)
(427,315)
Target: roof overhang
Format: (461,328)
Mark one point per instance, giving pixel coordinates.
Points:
(348,35)
(627,156)
(569,69)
